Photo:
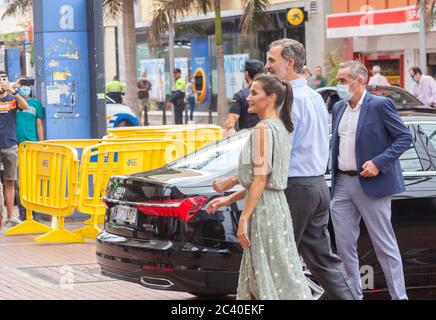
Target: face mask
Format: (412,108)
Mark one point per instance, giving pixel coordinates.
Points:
(344,91)
(414,79)
(24,91)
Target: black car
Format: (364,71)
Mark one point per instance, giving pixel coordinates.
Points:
(157,233)
(402,99)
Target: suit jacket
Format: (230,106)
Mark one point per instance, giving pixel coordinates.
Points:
(382,137)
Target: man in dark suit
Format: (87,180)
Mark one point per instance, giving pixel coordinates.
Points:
(368,139)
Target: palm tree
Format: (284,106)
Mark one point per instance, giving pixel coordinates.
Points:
(425,9)
(167,11)
(113,9)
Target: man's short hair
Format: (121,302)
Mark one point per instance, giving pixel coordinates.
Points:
(292,49)
(254,67)
(177,70)
(416,70)
(357,69)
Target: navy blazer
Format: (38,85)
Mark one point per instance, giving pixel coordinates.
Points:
(382,137)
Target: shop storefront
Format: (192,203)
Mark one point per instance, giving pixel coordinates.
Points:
(237,45)
(389,38)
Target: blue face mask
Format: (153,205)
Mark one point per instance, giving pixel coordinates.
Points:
(344,91)
(24,91)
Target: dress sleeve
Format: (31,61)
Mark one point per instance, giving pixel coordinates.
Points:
(262,150)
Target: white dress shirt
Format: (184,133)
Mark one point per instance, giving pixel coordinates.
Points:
(347,137)
(310,149)
(378,80)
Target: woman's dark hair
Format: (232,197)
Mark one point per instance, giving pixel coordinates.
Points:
(285,97)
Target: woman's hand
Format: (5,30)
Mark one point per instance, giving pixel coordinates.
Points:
(243,233)
(225,184)
(217,203)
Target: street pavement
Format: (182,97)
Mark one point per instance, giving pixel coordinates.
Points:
(32,271)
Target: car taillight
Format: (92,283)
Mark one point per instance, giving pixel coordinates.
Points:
(184,209)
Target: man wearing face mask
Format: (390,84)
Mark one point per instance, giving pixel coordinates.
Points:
(367,140)
(10,102)
(30,125)
(424,87)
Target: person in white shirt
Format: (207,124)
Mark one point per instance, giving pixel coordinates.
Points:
(377,78)
(424,88)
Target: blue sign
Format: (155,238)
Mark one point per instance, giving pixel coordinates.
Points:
(200,60)
(13,64)
(62,67)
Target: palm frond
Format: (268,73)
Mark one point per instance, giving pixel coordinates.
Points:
(17,7)
(112,8)
(253,14)
(166,11)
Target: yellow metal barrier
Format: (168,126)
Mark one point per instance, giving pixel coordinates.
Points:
(48,178)
(194,138)
(127,131)
(102,161)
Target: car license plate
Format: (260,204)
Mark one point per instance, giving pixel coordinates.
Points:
(125,214)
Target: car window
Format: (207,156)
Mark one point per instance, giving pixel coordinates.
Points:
(400,98)
(430,131)
(215,157)
(409,160)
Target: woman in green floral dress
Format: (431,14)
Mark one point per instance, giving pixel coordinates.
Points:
(271,268)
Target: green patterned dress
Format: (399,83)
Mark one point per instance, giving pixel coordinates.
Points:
(271,269)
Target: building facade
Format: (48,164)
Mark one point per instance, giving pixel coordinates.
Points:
(382,32)
(312,33)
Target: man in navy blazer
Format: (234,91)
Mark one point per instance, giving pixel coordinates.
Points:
(368,139)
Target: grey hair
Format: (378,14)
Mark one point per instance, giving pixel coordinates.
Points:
(357,69)
(294,50)
(376,69)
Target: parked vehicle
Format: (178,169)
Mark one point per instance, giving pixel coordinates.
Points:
(402,99)
(119,115)
(157,233)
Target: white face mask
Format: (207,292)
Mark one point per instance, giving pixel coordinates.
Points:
(344,91)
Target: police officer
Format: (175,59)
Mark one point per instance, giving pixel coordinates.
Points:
(116,89)
(178,96)
(239,118)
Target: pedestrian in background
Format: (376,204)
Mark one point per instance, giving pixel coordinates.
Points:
(306,73)
(368,139)
(318,80)
(144,87)
(239,118)
(116,89)
(178,96)
(424,87)
(190,97)
(377,78)
(30,127)
(10,102)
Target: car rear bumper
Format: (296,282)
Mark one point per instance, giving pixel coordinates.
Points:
(124,259)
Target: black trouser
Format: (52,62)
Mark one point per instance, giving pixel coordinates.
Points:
(309,202)
(178,112)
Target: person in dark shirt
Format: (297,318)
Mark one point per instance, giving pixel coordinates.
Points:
(239,118)
(10,102)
